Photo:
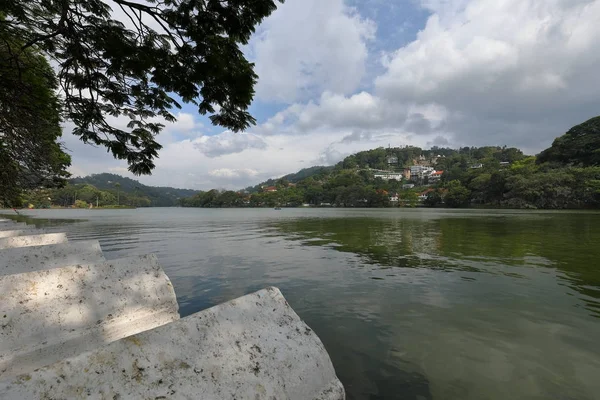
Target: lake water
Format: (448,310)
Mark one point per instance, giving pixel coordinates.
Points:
(410,304)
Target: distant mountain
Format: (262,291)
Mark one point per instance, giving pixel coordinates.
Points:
(158,196)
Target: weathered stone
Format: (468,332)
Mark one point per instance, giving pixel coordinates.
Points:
(20,232)
(50,315)
(254,347)
(27,259)
(33,240)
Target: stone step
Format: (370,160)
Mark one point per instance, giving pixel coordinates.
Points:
(50,315)
(10,225)
(254,347)
(18,232)
(27,259)
(33,240)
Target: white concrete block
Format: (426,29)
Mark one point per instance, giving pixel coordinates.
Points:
(27,259)
(33,240)
(254,347)
(20,232)
(50,315)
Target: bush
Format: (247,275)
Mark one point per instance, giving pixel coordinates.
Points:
(81,204)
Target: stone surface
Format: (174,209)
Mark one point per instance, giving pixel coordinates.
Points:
(10,225)
(254,347)
(50,315)
(20,232)
(33,240)
(26,259)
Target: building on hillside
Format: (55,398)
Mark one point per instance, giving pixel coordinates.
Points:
(406,173)
(419,172)
(392,160)
(435,176)
(477,166)
(423,195)
(422,161)
(389,176)
(504,164)
(270,189)
(408,186)
(394,198)
(434,159)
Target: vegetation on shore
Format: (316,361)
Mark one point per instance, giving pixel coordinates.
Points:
(104,191)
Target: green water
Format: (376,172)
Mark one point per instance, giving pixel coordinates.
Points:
(410,304)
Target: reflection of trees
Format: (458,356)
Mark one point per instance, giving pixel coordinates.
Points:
(564,241)
(507,244)
(391,242)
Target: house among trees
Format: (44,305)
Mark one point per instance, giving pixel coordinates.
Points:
(435,176)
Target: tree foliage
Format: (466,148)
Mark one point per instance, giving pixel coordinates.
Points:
(142,64)
(107,190)
(30,154)
(580,146)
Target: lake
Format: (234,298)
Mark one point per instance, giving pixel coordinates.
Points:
(410,304)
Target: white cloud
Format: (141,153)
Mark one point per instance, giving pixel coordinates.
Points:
(308,46)
(228,173)
(363,112)
(509,63)
(228,143)
(119,170)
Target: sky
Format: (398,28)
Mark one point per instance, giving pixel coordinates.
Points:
(341,76)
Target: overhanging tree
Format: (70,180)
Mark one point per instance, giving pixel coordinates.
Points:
(30,154)
(138,60)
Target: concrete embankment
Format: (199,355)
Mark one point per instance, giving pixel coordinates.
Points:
(74,325)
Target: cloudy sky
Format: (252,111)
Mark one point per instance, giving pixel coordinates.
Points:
(340,76)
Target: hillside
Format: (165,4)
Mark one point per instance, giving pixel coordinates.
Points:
(293,178)
(106,190)
(157,196)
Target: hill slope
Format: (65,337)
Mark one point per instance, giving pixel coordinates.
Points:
(158,196)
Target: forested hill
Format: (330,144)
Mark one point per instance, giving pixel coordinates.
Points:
(293,178)
(157,196)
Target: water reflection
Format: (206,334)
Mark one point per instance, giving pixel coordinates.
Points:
(526,248)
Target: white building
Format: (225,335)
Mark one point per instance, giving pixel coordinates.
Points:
(419,172)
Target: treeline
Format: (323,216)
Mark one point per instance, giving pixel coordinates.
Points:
(83,196)
(567,175)
(157,196)
(104,190)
